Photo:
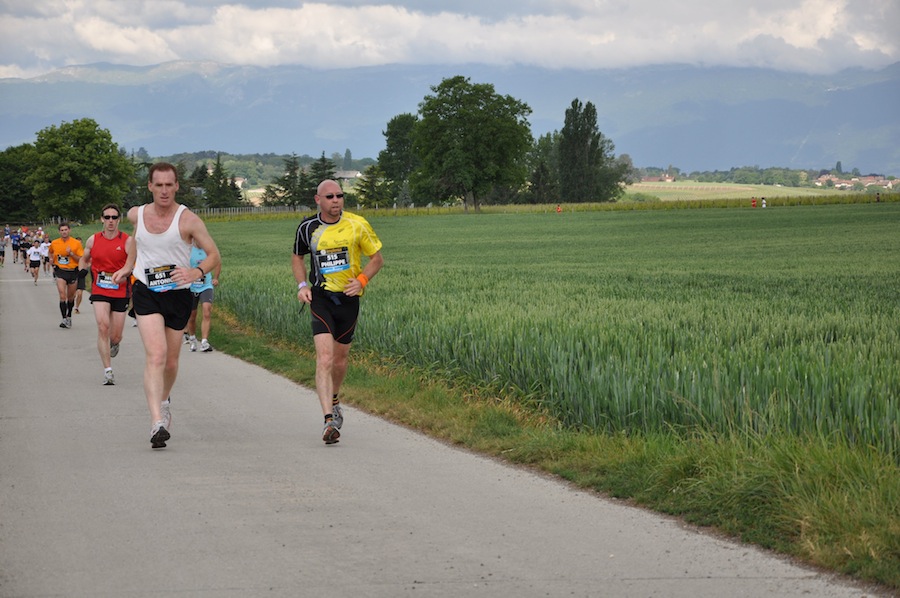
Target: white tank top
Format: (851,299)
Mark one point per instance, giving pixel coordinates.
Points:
(159,254)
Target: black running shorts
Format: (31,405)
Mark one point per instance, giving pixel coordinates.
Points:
(70,276)
(335,314)
(119,304)
(174,305)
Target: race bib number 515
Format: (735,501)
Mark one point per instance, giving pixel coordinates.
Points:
(333,260)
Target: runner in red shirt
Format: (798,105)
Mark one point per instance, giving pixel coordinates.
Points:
(110,255)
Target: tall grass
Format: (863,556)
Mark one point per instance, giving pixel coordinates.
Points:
(777,321)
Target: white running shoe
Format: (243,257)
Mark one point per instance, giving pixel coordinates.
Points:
(108,378)
(204,346)
(166,412)
(330,434)
(159,435)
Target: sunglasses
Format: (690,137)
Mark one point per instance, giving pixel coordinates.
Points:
(333,195)
(110,216)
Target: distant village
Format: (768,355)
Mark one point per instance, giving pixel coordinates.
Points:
(825,180)
(866,181)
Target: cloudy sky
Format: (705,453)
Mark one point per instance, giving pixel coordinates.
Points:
(814,36)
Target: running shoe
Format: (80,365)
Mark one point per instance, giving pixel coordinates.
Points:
(193,344)
(338,414)
(108,378)
(187,338)
(68,322)
(330,434)
(113,349)
(204,346)
(159,435)
(77,311)
(63,324)
(166,412)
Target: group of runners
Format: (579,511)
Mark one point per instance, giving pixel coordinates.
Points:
(31,247)
(165,275)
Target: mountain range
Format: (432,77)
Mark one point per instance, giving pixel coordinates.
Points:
(690,117)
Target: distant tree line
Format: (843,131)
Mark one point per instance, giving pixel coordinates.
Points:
(466,145)
(471,145)
(72,170)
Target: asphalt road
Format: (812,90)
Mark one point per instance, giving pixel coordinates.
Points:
(248,501)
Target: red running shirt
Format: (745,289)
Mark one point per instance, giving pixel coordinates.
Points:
(107,256)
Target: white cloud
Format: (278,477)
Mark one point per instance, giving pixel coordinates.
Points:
(805,35)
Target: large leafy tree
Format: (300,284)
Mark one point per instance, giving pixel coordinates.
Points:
(470,139)
(77,169)
(588,170)
(16,200)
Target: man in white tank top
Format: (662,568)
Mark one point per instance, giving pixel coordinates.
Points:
(164,232)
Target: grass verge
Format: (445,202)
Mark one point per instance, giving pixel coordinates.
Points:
(827,504)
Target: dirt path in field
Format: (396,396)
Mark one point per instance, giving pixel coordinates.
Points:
(246,500)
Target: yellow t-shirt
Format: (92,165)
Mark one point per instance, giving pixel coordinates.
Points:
(59,248)
(335,249)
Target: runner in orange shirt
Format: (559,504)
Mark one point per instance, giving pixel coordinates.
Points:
(65,253)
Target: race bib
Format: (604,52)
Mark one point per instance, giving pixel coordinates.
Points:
(105,281)
(159,279)
(330,261)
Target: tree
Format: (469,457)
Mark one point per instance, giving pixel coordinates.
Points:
(219,190)
(16,200)
(630,176)
(543,161)
(372,188)
(289,189)
(77,170)
(588,170)
(398,160)
(348,160)
(320,170)
(470,139)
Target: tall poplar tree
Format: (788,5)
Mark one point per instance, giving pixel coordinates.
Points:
(588,170)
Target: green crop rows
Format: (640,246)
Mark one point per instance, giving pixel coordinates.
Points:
(780,321)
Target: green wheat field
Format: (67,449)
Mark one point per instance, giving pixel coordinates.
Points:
(777,321)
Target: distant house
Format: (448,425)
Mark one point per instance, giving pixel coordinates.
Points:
(666,178)
(867,181)
(347,175)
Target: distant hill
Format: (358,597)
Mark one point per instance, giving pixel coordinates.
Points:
(690,117)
